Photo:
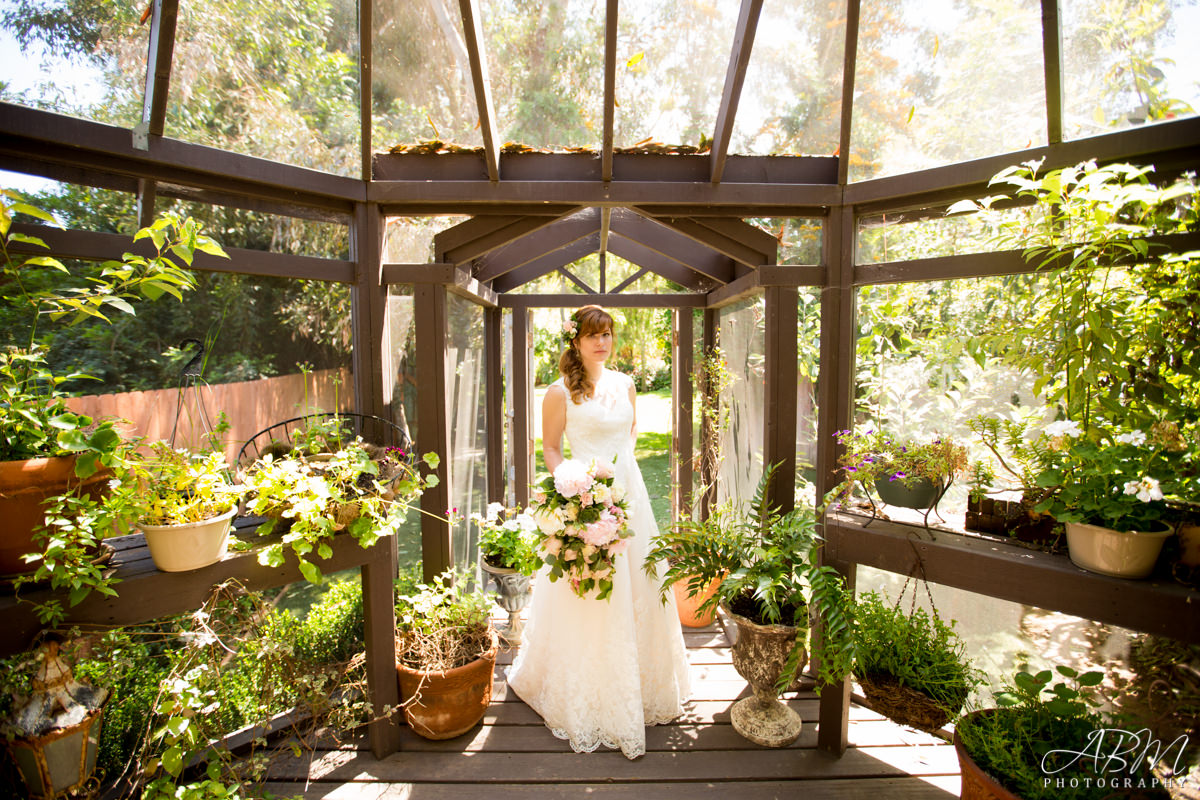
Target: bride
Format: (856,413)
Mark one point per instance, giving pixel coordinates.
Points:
(599,671)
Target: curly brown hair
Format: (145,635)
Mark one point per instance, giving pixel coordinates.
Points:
(589,319)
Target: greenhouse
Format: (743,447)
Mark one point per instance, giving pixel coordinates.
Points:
(909,295)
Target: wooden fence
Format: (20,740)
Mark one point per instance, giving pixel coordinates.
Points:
(249,406)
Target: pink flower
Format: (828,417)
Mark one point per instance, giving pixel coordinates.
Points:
(571,478)
(602,470)
(619,546)
(602,531)
(539,497)
(569,554)
(585,498)
(552,545)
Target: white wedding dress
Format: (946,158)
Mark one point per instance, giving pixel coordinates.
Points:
(599,671)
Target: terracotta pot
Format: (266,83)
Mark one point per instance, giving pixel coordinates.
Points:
(759,656)
(977,784)
(448,703)
(192,545)
(686,606)
(1120,554)
(24,487)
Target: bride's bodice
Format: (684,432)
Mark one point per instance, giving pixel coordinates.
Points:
(601,426)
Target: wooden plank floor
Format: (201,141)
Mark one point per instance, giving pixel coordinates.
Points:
(512,755)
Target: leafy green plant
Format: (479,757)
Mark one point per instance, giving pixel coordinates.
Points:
(443,624)
(873,455)
(179,486)
(1032,742)
(508,538)
(360,489)
(916,650)
(770,568)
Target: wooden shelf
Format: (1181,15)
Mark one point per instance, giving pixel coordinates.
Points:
(1156,605)
(145,594)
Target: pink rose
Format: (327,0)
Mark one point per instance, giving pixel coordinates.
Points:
(619,546)
(571,478)
(569,554)
(602,470)
(585,498)
(539,497)
(552,545)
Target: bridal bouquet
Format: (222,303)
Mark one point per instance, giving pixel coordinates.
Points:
(582,515)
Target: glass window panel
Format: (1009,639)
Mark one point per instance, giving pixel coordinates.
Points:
(77,207)
(939,85)
(808,357)
(272,80)
(671,62)
(1127,63)
(86,60)
(586,269)
(799,238)
(741,334)
(421,82)
(466,384)
(547,68)
(402,344)
(258,230)
(409,240)
(926,234)
(792,98)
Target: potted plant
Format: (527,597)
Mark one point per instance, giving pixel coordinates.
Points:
(45,449)
(771,582)
(1044,742)
(445,656)
(311,494)
(907,474)
(508,552)
(1019,454)
(912,667)
(185,505)
(1109,488)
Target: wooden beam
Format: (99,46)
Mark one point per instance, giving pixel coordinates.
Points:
(659,264)
(454,278)
(522,383)
(748,235)
(60,139)
(473,38)
(666,241)
(547,239)
(682,366)
(490,242)
(849,68)
(366,82)
(765,277)
(708,433)
(372,367)
(1010,572)
(573,278)
(628,281)
(1053,69)
(98,246)
(469,230)
(494,404)
(433,424)
(458,197)
(525,301)
(735,249)
(546,264)
(779,415)
(605,228)
(165,14)
(835,410)
(610,93)
(735,76)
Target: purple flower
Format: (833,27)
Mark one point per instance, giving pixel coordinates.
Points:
(898,476)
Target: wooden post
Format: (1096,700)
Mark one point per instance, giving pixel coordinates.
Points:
(523,460)
(779,395)
(379,630)
(372,361)
(433,427)
(494,408)
(682,365)
(708,465)
(835,392)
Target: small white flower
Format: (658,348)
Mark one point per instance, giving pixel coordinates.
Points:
(494,510)
(1147,489)
(1137,438)
(1063,427)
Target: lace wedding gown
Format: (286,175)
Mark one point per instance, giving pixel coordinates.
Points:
(599,671)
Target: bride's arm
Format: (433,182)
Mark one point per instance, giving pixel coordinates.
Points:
(633,402)
(554,420)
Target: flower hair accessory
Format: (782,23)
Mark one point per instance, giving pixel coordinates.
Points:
(570,329)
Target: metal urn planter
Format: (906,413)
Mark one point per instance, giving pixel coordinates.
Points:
(513,597)
(759,655)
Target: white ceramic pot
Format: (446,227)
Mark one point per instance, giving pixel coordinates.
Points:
(192,545)
(1121,554)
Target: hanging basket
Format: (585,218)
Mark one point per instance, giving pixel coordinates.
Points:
(903,704)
